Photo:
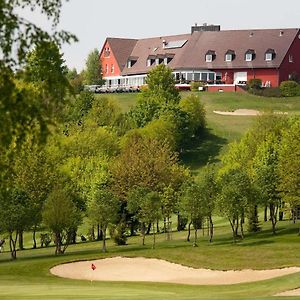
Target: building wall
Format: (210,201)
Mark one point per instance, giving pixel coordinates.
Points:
(288,67)
(109,61)
(266,75)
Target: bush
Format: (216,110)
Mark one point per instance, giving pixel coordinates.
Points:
(254,83)
(289,88)
(271,92)
(195,86)
(118,233)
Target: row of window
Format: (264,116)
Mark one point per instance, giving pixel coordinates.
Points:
(112,68)
(270,54)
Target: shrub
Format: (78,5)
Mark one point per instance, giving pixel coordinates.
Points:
(195,86)
(271,92)
(118,233)
(289,88)
(254,83)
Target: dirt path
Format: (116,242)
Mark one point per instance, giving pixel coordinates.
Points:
(238,112)
(155,270)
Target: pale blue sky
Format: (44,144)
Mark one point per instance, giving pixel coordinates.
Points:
(94,20)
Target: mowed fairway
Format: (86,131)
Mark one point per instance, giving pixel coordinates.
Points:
(29,277)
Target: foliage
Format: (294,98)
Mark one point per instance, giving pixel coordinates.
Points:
(195,86)
(118,233)
(61,216)
(75,80)
(254,83)
(289,165)
(18,35)
(196,111)
(103,209)
(271,92)
(93,71)
(289,88)
(161,86)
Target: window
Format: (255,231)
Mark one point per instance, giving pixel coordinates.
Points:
(211,76)
(106,68)
(248,56)
(131,61)
(291,59)
(197,76)
(204,76)
(218,76)
(270,54)
(208,57)
(228,57)
(112,68)
(106,52)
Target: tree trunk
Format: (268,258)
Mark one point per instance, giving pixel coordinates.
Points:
(21,240)
(211,229)
(149,228)
(104,239)
(266,214)
(12,245)
(273,216)
(153,246)
(143,229)
(33,237)
(157,226)
(99,233)
(195,238)
(189,232)
(58,243)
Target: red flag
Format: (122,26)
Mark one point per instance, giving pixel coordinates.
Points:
(93,267)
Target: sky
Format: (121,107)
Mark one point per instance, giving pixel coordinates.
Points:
(92,21)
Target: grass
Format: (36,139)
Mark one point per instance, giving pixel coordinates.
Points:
(29,278)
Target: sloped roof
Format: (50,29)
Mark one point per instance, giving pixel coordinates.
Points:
(239,41)
(192,54)
(121,49)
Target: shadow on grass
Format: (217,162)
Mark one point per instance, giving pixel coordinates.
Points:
(203,149)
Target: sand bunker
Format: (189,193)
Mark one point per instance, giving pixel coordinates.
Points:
(238,112)
(155,270)
(295,292)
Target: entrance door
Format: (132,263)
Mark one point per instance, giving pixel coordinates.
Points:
(240,77)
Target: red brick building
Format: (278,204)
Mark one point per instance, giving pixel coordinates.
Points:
(206,54)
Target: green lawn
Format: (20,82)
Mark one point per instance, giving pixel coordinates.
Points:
(29,278)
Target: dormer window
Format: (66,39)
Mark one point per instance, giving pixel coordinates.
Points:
(229,55)
(210,56)
(150,60)
(168,58)
(131,62)
(249,55)
(270,55)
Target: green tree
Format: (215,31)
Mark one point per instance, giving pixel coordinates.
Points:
(61,216)
(289,166)
(145,205)
(16,217)
(235,192)
(93,71)
(266,176)
(103,210)
(161,86)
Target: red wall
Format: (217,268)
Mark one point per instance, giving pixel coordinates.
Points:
(287,67)
(224,88)
(109,61)
(271,75)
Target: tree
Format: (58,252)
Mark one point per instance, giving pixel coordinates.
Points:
(16,218)
(103,210)
(266,176)
(289,166)
(145,205)
(161,86)
(61,216)
(235,192)
(93,71)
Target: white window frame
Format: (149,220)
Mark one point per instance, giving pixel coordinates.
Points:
(129,64)
(112,68)
(269,56)
(228,57)
(291,58)
(208,57)
(249,57)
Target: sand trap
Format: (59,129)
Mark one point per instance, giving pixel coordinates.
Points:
(155,270)
(238,112)
(295,292)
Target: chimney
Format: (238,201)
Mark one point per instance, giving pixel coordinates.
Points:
(205,27)
(164,44)
(281,33)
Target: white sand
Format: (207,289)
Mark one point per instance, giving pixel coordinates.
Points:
(295,292)
(238,112)
(155,270)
